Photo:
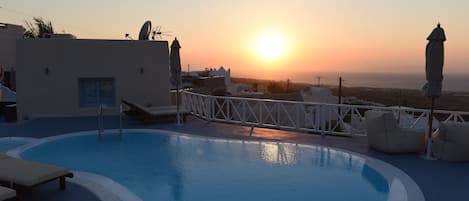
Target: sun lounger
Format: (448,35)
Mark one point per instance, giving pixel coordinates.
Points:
(6,193)
(147,114)
(18,173)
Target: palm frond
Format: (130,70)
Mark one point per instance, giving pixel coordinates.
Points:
(38,29)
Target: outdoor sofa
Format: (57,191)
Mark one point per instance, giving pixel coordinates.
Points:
(152,114)
(451,142)
(6,193)
(23,174)
(385,135)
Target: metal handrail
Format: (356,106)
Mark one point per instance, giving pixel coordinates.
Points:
(120,120)
(100,120)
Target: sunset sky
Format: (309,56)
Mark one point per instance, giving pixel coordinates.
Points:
(268,38)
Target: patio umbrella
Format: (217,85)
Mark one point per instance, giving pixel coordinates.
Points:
(175,66)
(434,74)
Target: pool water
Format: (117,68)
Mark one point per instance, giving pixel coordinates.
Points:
(178,167)
(9,143)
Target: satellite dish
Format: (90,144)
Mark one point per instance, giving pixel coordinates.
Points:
(145,31)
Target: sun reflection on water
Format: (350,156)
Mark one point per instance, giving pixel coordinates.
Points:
(284,154)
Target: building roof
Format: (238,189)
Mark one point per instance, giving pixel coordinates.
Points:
(11,30)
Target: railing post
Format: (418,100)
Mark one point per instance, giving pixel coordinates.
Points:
(211,103)
(207,107)
(243,117)
(210,108)
(261,115)
(297,115)
(278,121)
(329,118)
(316,118)
(200,108)
(321,120)
(228,110)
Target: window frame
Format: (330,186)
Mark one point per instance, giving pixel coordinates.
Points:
(98,82)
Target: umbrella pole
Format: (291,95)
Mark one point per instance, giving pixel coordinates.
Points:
(178,118)
(430,131)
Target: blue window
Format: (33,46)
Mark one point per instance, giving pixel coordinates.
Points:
(95,91)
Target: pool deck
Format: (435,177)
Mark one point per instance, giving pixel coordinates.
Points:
(438,180)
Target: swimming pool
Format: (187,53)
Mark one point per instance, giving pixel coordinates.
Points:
(161,165)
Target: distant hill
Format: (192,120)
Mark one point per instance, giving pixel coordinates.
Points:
(457,101)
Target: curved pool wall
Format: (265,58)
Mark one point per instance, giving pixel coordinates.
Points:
(9,143)
(177,166)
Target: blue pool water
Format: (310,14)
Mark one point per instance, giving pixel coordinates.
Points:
(176,167)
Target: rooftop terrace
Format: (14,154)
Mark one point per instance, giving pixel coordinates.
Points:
(438,180)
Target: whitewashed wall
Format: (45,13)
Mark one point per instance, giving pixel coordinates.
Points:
(9,33)
(57,93)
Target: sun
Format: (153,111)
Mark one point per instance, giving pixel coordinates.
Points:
(270,46)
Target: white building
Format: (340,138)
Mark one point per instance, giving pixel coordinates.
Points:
(222,72)
(68,77)
(318,95)
(213,73)
(9,33)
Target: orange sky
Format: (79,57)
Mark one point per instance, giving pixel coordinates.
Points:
(333,36)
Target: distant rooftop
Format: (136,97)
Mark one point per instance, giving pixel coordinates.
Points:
(11,29)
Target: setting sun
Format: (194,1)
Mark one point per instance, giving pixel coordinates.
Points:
(270,46)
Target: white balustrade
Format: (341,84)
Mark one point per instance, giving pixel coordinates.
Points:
(303,116)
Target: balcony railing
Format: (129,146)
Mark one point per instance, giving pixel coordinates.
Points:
(336,119)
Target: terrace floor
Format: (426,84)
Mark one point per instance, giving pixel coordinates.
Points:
(438,180)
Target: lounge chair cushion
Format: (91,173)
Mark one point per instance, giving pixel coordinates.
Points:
(6,193)
(454,132)
(390,121)
(158,113)
(450,151)
(385,135)
(166,110)
(452,142)
(3,156)
(28,173)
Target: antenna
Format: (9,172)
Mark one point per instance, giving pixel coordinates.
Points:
(158,34)
(145,31)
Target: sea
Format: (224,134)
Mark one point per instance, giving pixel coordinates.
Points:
(451,82)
